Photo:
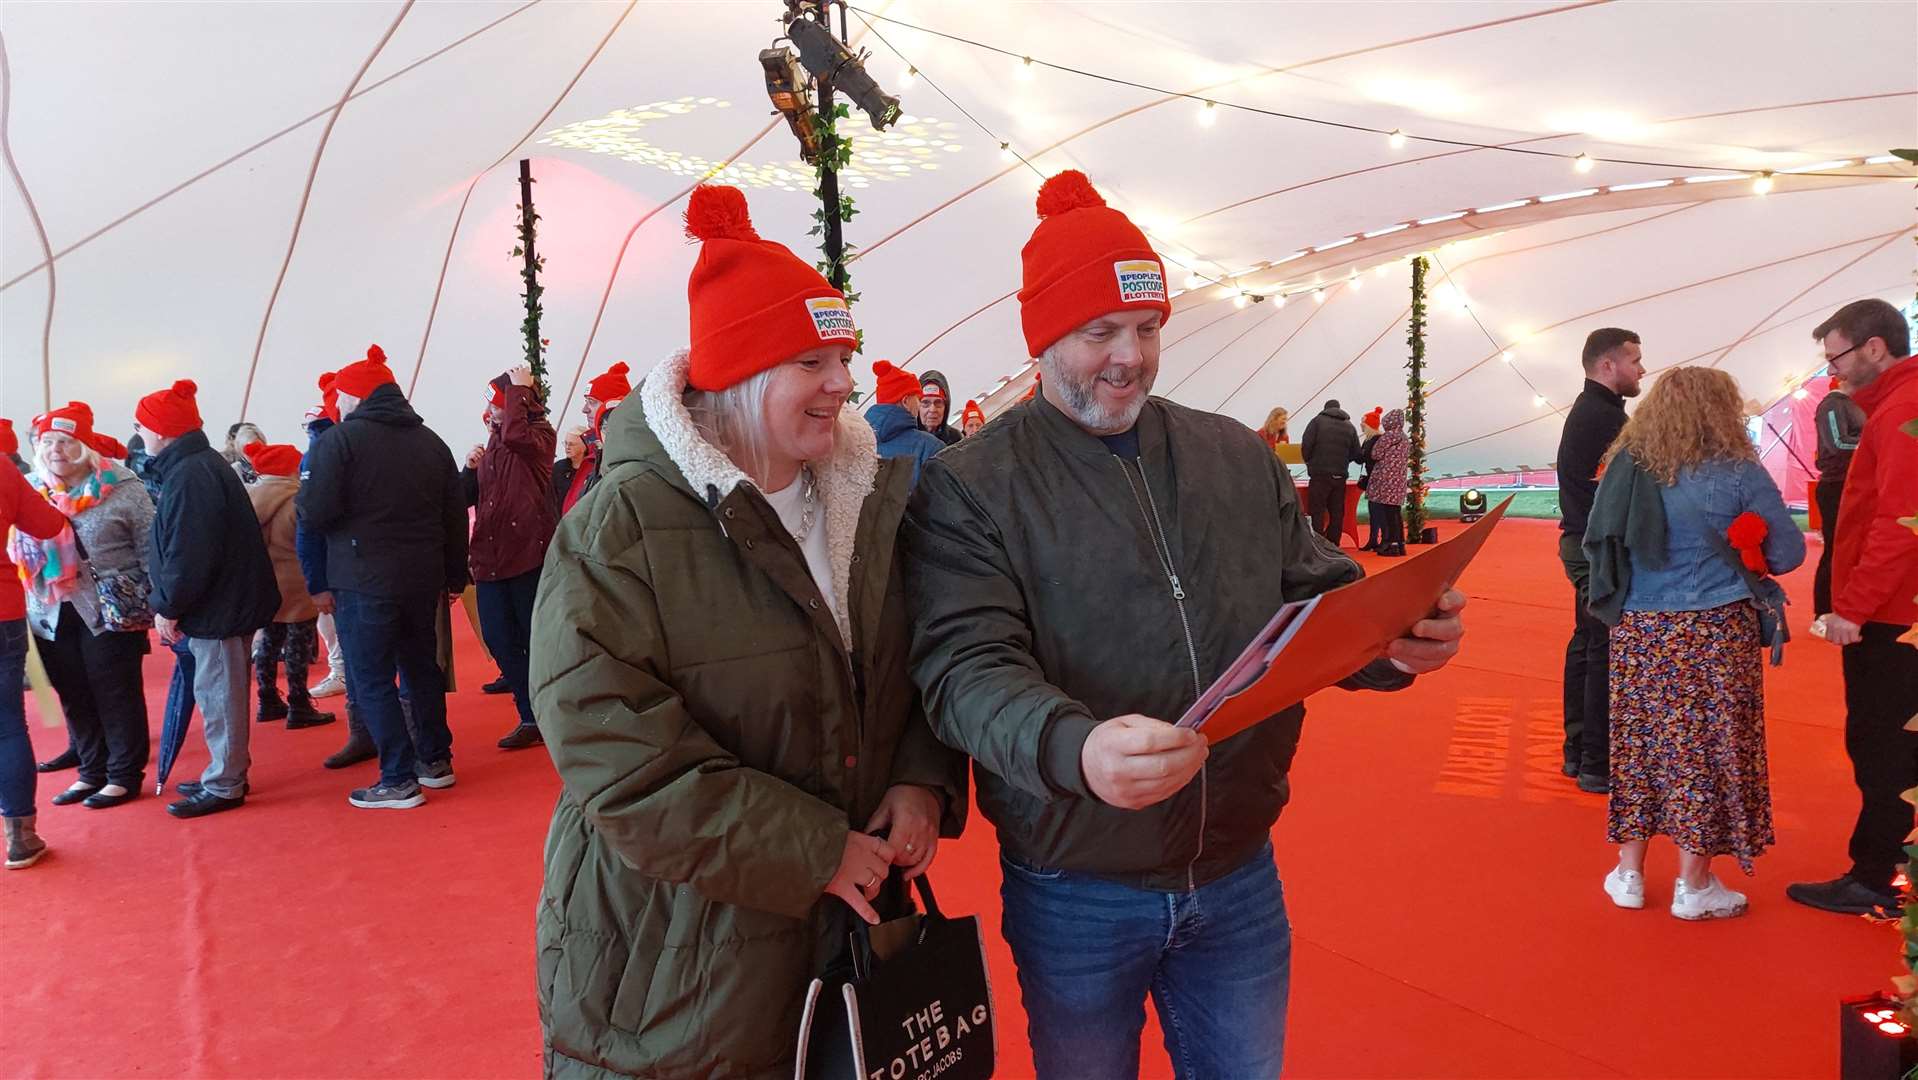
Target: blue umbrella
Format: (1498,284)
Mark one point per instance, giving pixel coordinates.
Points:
(179,713)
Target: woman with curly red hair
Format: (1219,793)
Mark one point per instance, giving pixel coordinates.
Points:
(1685,524)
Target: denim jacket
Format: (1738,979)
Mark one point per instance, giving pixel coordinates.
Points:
(1695,577)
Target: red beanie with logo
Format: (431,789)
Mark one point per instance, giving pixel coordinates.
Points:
(611,385)
(360,378)
(1084,260)
(273,459)
(895,384)
(754,304)
(971,413)
(171,412)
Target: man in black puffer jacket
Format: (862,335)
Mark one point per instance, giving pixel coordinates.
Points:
(1330,446)
(384,491)
(212,584)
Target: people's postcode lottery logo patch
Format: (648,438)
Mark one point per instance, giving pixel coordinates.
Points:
(1140,280)
(831,318)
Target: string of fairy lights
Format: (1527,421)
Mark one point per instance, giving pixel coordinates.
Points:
(1762,182)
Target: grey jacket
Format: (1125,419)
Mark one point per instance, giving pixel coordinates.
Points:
(113,534)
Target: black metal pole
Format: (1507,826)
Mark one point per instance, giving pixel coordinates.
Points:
(829,174)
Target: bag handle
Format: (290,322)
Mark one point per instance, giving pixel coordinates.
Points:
(930,915)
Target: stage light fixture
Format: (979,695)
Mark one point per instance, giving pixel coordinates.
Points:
(791,94)
(828,59)
(1471,506)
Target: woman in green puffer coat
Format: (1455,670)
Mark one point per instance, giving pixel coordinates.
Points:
(719,671)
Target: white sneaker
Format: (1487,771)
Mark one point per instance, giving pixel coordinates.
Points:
(332,686)
(1625,887)
(1714,901)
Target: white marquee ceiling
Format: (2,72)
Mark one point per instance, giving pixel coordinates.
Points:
(113,107)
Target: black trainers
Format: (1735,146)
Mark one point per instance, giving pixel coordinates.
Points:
(497,686)
(1845,895)
(384,797)
(522,737)
(1594,783)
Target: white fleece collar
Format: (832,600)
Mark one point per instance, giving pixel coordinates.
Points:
(844,480)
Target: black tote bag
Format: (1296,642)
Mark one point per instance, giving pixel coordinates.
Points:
(911,1001)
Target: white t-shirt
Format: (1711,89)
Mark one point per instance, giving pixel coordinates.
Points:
(790,505)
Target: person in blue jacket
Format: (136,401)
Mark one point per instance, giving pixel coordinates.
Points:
(894,416)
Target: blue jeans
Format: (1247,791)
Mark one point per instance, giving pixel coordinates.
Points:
(506,622)
(16,749)
(383,636)
(1217,963)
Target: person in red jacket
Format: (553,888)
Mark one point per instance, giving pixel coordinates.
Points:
(1875,599)
(512,525)
(21,508)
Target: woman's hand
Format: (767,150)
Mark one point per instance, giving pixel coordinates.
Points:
(909,816)
(863,867)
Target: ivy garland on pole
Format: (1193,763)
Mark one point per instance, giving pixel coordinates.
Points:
(531,265)
(1415,408)
(835,154)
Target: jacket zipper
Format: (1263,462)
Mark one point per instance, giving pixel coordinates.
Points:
(1162,547)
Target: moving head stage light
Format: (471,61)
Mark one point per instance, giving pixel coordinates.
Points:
(1471,506)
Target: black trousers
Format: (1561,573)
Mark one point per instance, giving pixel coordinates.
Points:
(1588,662)
(292,643)
(1325,501)
(98,679)
(1828,494)
(1390,520)
(1881,694)
(506,622)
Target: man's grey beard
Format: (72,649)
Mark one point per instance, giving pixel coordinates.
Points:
(1081,401)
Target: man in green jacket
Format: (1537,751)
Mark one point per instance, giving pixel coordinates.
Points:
(1077,574)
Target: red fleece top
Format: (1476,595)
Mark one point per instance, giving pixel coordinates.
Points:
(21,508)
(1874,564)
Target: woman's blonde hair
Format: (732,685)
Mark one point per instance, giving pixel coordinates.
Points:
(1275,421)
(1691,415)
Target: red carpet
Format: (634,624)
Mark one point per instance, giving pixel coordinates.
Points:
(1443,882)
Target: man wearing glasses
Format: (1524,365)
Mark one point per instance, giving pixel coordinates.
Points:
(1875,599)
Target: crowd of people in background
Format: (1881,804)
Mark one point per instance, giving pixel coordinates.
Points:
(739,617)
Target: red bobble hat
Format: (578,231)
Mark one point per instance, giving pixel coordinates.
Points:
(972,412)
(895,383)
(754,304)
(273,459)
(1084,260)
(171,412)
(610,386)
(360,378)
(76,419)
(9,442)
(1372,418)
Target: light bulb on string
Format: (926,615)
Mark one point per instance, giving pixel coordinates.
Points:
(1025,69)
(1239,299)
(1318,296)
(1208,114)
(1397,139)
(1762,185)
(1355,281)
(1005,151)
(1538,401)
(905,80)
(1506,356)
(1583,163)
(1278,300)
(1192,281)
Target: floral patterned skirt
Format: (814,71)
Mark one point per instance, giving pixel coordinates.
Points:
(1688,732)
